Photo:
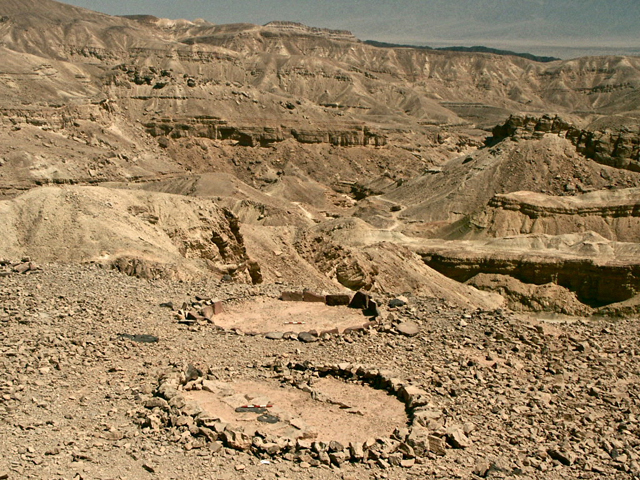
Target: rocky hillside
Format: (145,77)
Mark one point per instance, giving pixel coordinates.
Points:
(167,184)
(292,131)
(614,214)
(547,165)
(616,147)
(143,234)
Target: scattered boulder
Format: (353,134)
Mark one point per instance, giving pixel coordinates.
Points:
(157,402)
(566,458)
(22,267)
(418,440)
(337,300)
(140,338)
(437,445)
(236,439)
(457,439)
(312,297)
(408,329)
(192,373)
(354,275)
(307,337)
(396,302)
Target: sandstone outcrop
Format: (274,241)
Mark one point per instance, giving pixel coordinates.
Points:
(142,234)
(299,28)
(251,136)
(613,214)
(600,272)
(620,149)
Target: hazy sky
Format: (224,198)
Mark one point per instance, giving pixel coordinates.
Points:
(539,26)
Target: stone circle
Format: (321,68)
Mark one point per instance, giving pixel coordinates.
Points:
(186,406)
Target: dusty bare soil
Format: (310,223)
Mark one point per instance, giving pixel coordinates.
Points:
(264,315)
(346,413)
(538,399)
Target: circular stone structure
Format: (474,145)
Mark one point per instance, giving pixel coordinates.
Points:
(304,316)
(264,315)
(324,414)
(329,410)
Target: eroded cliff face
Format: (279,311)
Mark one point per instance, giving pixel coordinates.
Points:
(614,214)
(263,136)
(598,271)
(290,126)
(620,149)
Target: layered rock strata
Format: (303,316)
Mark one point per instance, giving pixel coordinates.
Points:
(253,135)
(598,271)
(613,214)
(620,149)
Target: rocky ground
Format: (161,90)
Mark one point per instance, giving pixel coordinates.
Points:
(535,398)
(295,157)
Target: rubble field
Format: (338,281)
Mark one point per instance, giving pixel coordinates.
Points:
(454,393)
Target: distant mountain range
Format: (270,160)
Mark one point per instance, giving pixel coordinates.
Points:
(475,49)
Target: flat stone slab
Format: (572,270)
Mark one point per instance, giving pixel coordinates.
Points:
(140,338)
(409,329)
(275,335)
(336,300)
(313,297)
(210,310)
(291,297)
(360,300)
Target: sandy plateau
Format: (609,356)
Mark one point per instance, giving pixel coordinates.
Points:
(280,252)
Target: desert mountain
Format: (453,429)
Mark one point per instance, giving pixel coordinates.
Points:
(187,211)
(336,159)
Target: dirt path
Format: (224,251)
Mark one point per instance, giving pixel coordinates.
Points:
(394,215)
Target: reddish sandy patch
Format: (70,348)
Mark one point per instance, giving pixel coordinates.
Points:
(264,315)
(341,411)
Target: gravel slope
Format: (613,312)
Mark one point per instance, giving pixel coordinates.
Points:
(525,390)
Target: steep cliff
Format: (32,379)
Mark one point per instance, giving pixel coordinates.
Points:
(618,148)
(613,214)
(600,272)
